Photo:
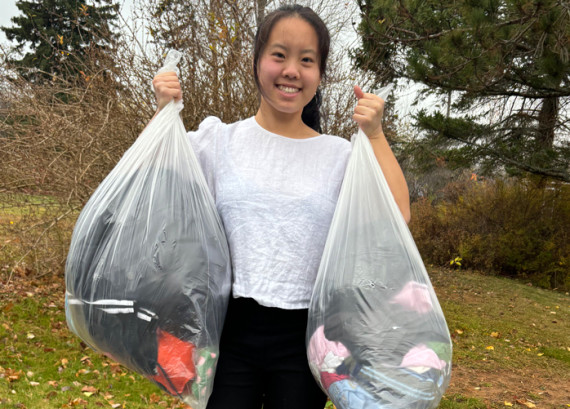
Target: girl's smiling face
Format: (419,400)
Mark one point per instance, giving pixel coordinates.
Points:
(289,71)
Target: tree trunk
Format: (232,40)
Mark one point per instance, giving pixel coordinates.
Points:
(547,118)
(260,6)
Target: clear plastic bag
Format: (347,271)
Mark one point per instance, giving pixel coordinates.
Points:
(148,272)
(377,337)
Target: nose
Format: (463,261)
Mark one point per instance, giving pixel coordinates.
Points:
(291,71)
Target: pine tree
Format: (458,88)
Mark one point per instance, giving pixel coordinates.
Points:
(506,63)
(54,38)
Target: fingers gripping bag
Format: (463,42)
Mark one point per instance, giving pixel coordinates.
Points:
(148,271)
(377,337)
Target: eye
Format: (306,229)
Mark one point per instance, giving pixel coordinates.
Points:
(278,55)
(308,60)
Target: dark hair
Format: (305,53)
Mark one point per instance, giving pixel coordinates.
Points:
(311,112)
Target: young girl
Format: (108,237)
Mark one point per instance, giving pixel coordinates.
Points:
(275,179)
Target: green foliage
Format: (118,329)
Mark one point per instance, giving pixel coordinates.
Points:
(471,45)
(505,62)
(54,38)
(518,229)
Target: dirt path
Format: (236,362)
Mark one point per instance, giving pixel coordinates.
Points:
(523,388)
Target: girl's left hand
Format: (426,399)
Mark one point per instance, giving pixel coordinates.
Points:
(368,113)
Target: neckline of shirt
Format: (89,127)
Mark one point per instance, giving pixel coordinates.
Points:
(283,137)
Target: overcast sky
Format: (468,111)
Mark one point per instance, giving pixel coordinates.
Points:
(9,10)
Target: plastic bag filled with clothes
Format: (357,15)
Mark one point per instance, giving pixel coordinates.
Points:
(148,272)
(377,337)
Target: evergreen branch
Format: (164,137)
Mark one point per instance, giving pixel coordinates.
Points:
(487,150)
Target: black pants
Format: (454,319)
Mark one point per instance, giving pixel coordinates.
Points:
(263,360)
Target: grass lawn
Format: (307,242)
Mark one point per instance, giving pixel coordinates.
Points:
(511,342)
(511,349)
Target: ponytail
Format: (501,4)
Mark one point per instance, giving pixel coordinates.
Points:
(311,115)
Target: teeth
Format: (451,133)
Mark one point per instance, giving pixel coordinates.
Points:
(288,89)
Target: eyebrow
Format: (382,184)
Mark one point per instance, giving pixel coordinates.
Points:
(305,51)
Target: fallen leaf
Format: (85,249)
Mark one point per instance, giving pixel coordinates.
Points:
(12,375)
(34,383)
(526,403)
(459,331)
(30,335)
(490,348)
(508,403)
(51,394)
(495,334)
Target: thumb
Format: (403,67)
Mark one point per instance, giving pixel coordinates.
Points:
(358,93)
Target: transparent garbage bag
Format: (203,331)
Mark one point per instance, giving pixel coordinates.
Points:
(148,271)
(377,337)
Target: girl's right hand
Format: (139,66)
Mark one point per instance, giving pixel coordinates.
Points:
(166,87)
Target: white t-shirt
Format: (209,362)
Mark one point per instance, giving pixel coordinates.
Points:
(276,197)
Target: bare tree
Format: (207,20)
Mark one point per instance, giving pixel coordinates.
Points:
(56,151)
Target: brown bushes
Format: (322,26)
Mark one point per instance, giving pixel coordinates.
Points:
(58,141)
(518,228)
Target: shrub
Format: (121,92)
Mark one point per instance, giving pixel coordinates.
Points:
(513,227)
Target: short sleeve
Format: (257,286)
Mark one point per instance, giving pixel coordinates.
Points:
(204,142)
